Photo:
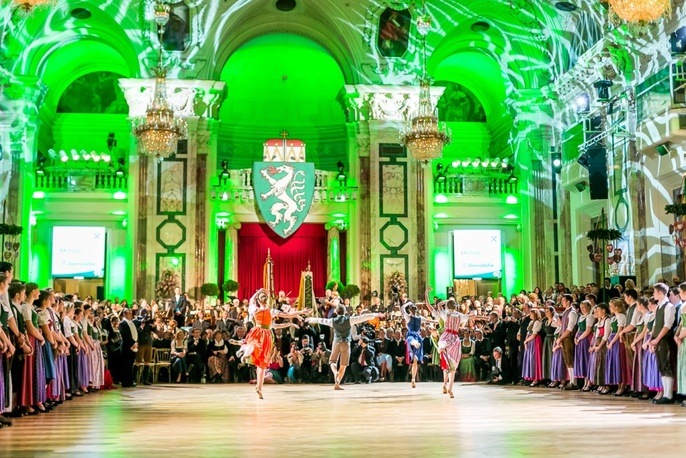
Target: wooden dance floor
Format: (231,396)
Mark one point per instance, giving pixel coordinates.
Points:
(364,420)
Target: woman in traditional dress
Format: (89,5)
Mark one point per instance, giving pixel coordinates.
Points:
(681,355)
(548,329)
(449,344)
(531,362)
(36,340)
(598,349)
(651,375)
(616,366)
(467,366)
(217,362)
(414,351)
(179,349)
(582,342)
(257,345)
(97,359)
(637,375)
(61,388)
(558,369)
(83,366)
(49,348)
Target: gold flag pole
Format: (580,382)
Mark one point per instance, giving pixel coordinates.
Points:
(268,278)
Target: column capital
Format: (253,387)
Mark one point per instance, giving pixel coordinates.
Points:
(385,103)
(188,98)
(20,101)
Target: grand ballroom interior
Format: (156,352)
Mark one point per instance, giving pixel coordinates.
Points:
(174,157)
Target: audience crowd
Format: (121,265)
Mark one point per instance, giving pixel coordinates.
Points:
(611,340)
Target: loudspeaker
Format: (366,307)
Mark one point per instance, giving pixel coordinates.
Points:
(100,293)
(597,172)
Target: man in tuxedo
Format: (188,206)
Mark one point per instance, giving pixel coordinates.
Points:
(238,370)
(500,370)
(498,334)
(180,307)
(481,355)
(363,367)
(225,324)
(307,350)
(195,356)
(129,347)
(397,350)
(144,327)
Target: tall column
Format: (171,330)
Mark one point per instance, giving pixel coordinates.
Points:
(19,107)
(394,235)
(533,127)
(173,228)
(333,255)
(637,195)
(231,252)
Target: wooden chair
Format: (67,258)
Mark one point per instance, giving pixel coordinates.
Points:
(162,359)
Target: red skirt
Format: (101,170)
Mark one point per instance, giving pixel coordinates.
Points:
(260,339)
(26,389)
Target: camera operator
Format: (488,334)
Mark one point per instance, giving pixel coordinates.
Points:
(144,326)
(306,350)
(363,366)
(320,364)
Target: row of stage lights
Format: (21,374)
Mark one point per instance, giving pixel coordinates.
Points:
(486,164)
(75,155)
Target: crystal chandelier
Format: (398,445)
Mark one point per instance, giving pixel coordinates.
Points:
(425,136)
(159,131)
(29,5)
(640,11)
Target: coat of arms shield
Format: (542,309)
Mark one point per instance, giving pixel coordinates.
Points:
(284,193)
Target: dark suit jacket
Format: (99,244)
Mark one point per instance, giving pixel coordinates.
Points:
(498,335)
(126,337)
(368,355)
(397,349)
(505,371)
(481,348)
(523,328)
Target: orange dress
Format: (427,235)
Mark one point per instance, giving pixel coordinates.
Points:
(259,339)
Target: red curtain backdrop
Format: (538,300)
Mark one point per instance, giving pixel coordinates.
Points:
(290,257)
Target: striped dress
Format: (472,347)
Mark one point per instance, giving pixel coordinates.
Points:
(449,345)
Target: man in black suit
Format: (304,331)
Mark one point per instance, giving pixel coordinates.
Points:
(498,329)
(363,367)
(397,350)
(512,326)
(521,337)
(500,370)
(482,355)
(238,370)
(197,347)
(129,347)
(180,307)
(226,324)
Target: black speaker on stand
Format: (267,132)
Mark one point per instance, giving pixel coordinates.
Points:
(597,172)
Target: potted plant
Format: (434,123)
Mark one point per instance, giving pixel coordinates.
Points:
(351,291)
(230,286)
(209,290)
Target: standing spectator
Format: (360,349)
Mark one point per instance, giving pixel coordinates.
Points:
(129,347)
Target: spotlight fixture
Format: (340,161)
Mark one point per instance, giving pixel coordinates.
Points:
(556,159)
(603,88)
(111,141)
(224,174)
(513,178)
(74,155)
(440,173)
(341,177)
(122,162)
(583,104)
(63,156)
(40,160)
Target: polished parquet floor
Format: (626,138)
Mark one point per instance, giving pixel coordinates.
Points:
(381,420)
